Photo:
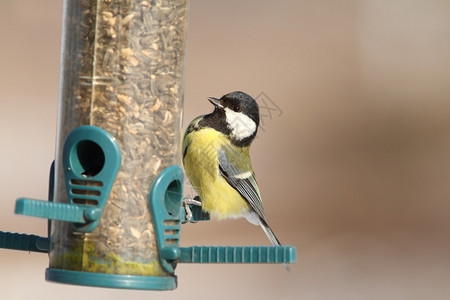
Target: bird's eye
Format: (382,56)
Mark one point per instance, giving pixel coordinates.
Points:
(236,108)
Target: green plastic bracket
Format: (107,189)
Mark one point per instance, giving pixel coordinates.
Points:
(165,205)
(91,159)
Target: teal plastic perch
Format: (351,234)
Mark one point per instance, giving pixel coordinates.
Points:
(194,254)
(57,211)
(237,254)
(23,242)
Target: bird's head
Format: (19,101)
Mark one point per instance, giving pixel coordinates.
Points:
(239,116)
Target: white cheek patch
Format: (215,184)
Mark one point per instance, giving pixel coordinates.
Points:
(241,126)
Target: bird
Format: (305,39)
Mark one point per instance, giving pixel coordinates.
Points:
(216,159)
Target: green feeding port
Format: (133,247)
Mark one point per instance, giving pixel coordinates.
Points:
(172,197)
(90,156)
(91,160)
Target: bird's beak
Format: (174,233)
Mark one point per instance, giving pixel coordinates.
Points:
(215,102)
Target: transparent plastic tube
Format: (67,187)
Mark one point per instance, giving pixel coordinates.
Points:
(122,70)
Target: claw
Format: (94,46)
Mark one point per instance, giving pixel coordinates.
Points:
(188,210)
(186,203)
(189,201)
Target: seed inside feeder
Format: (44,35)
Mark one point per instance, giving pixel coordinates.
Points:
(122,71)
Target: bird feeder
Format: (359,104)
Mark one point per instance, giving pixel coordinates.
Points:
(115,194)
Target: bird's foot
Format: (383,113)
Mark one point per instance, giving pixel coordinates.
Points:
(188,201)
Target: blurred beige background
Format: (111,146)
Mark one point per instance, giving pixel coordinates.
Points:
(354,172)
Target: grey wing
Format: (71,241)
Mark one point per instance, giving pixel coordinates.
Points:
(241,179)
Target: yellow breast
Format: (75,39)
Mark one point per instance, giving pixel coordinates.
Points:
(202,168)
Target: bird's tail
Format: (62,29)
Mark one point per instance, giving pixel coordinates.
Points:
(273,239)
(268,231)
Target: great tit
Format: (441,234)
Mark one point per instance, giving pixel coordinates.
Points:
(217,161)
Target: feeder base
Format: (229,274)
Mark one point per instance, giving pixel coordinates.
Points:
(111,280)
